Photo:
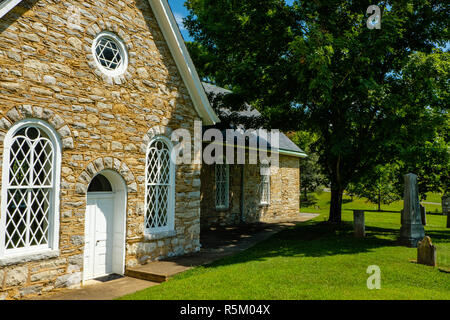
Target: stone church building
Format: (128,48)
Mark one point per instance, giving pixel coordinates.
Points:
(90,93)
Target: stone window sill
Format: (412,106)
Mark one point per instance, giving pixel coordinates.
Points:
(160,235)
(28,257)
(222,209)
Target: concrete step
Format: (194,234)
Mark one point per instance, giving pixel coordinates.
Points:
(159,271)
(145,275)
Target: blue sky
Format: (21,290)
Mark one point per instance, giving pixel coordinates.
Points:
(179,11)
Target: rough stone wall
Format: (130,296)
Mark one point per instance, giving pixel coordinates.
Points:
(209,215)
(47,72)
(284,194)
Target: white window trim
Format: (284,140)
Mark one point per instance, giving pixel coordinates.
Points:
(227,187)
(7,6)
(122,48)
(167,231)
(262,201)
(53,232)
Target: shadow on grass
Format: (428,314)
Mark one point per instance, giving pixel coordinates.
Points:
(435,213)
(440,236)
(314,240)
(369,210)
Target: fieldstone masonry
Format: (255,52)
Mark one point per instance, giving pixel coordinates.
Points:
(284,194)
(47,72)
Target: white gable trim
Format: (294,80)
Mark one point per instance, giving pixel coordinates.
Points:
(6,6)
(171,32)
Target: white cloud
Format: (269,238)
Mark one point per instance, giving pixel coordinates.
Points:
(179,19)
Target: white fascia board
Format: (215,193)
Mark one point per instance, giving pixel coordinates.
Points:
(6,6)
(175,41)
(279,151)
(292,153)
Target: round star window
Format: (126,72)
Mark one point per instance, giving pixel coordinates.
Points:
(110,54)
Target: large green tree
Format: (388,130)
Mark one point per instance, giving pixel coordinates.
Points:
(378,186)
(315,65)
(312,178)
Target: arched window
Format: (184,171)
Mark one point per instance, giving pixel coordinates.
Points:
(160,187)
(222,172)
(30,199)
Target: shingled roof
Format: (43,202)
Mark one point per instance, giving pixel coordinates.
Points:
(286,145)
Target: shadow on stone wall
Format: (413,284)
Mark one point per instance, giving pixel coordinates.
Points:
(15,14)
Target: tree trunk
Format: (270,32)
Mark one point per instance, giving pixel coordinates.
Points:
(379,200)
(336,205)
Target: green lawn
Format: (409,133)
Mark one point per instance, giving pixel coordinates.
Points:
(434,197)
(323,204)
(316,261)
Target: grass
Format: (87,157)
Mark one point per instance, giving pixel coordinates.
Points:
(434,197)
(348,205)
(317,261)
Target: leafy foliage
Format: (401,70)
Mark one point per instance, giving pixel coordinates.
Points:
(372,97)
(377,186)
(312,177)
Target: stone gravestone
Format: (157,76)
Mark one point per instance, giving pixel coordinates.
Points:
(445,204)
(412,230)
(359,224)
(426,252)
(423,215)
(446,208)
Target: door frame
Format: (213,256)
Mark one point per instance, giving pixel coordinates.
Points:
(119,192)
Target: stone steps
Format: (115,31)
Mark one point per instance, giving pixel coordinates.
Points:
(145,275)
(160,271)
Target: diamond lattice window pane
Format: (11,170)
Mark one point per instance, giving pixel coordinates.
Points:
(159,188)
(43,161)
(29,189)
(265,184)
(20,159)
(40,207)
(16,219)
(265,189)
(222,177)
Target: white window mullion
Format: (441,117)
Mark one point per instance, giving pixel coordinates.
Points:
(29,194)
(157,211)
(28,215)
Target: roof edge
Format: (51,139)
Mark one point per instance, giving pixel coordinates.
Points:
(8,6)
(292,153)
(175,41)
(284,152)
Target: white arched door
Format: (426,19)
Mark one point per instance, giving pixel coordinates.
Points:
(104,251)
(100,219)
